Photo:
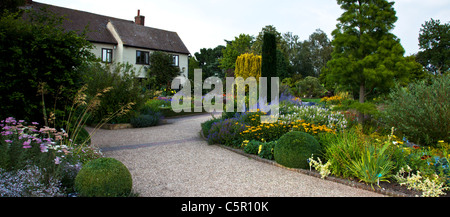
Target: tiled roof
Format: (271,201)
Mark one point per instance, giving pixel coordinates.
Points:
(131,34)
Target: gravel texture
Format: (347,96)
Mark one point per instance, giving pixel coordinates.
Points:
(172,160)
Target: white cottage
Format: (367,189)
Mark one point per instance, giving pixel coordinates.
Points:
(118,40)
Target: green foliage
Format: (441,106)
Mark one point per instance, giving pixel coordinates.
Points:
(421,111)
(269,60)
(37,51)
(251,147)
(266,150)
(374,164)
(209,61)
(146,120)
(434,42)
(310,87)
(120,91)
(367,58)
(340,149)
(162,68)
(238,46)
(294,148)
(104,177)
(154,105)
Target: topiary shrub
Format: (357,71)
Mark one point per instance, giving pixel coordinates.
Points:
(294,148)
(104,177)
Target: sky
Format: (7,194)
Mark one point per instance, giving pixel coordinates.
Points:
(207,23)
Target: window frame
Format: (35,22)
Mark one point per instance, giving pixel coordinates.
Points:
(176,60)
(146,57)
(109,52)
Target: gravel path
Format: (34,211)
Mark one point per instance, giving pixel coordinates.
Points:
(172,160)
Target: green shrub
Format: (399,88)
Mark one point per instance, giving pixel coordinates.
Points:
(104,177)
(147,120)
(266,150)
(421,111)
(119,89)
(251,147)
(294,148)
(154,105)
(37,52)
(340,149)
(310,87)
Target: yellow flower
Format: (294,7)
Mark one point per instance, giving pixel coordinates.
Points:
(259,149)
(441,141)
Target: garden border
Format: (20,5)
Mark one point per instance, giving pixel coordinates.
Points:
(347,182)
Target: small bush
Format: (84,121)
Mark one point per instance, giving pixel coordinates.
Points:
(251,147)
(146,120)
(104,177)
(294,148)
(266,150)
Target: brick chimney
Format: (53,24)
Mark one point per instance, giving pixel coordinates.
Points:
(139,19)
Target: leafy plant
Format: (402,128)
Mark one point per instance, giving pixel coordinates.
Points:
(421,111)
(374,164)
(35,49)
(124,89)
(265,150)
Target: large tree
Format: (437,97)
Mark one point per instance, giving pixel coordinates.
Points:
(367,57)
(235,48)
(209,61)
(434,42)
(269,60)
(38,56)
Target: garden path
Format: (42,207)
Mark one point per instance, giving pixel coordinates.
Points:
(172,160)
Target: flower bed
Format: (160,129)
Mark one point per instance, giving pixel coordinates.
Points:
(380,161)
(39,162)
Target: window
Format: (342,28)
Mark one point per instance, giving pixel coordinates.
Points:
(175,60)
(142,57)
(106,55)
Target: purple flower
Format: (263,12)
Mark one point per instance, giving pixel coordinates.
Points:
(8,141)
(44,147)
(10,120)
(5,133)
(35,123)
(26,144)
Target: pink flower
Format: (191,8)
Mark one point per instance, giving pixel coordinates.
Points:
(57,160)
(35,123)
(8,141)
(27,144)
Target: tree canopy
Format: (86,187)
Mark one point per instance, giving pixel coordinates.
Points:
(367,58)
(434,43)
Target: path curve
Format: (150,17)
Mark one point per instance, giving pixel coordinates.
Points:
(172,160)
